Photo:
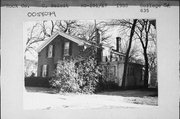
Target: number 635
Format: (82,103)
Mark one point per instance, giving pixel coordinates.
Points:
(144,10)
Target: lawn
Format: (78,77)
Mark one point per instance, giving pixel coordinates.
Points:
(44,98)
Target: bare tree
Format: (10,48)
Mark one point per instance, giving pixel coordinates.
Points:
(43,30)
(134,52)
(143,30)
(127,53)
(152,56)
(88,31)
(68,26)
(123,27)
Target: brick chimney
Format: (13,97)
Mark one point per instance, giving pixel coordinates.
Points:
(97,37)
(99,50)
(118,42)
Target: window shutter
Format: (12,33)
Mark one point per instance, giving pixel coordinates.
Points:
(47,70)
(47,49)
(70,48)
(53,51)
(62,49)
(41,70)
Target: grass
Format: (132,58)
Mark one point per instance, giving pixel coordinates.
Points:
(143,100)
(141,96)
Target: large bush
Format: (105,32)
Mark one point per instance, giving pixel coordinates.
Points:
(89,75)
(76,76)
(65,77)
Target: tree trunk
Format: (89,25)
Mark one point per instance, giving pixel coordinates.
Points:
(146,72)
(127,54)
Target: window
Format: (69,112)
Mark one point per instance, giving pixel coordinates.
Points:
(50,51)
(55,66)
(120,59)
(142,73)
(104,59)
(66,48)
(44,70)
(123,58)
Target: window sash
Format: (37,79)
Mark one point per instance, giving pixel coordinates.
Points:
(50,51)
(44,70)
(66,48)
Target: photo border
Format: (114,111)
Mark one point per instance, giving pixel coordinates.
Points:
(12,85)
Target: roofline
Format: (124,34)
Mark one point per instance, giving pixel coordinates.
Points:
(119,53)
(72,38)
(106,45)
(47,42)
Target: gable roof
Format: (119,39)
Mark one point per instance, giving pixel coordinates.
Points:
(72,38)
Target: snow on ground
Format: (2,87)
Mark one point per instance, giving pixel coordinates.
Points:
(48,100)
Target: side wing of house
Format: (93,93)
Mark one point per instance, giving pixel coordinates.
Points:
(134,77)
(56,50)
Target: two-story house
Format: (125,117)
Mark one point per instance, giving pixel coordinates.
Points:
(61,46)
